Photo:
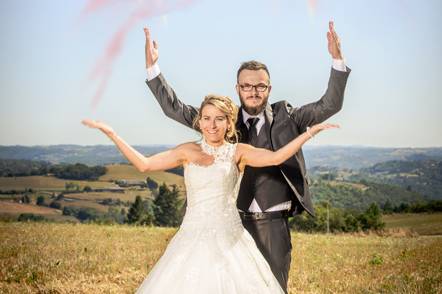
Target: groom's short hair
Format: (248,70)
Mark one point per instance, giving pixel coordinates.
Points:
(252,65)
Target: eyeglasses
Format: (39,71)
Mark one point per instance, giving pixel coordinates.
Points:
(259,87)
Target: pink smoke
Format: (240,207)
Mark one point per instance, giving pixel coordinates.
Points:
(146,9)
(312,5)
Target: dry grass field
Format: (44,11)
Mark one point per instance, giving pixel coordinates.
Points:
(89,258)
(129,172)
(85,204)
(421,223)
(14,207)
(46,183)
(11,210)
(115,172)
(128,195)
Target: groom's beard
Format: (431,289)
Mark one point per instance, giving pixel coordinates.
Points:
(256,109)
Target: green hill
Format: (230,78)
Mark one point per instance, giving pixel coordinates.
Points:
(423,176)
(359,195)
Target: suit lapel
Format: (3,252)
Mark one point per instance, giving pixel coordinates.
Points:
(242,128)
(268,113)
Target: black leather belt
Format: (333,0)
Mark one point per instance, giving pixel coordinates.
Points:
(264,215)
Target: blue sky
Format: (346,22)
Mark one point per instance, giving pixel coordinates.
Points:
(393,96)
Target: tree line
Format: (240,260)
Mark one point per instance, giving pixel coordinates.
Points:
(416,207)
(21,167)
(335,220)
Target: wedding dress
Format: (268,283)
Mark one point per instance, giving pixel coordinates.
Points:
(211,252)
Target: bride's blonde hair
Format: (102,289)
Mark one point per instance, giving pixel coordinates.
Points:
(226,106)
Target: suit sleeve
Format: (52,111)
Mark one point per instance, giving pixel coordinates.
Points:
(171,105)
(329,104)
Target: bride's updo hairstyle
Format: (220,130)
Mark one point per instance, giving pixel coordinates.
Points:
(225,105)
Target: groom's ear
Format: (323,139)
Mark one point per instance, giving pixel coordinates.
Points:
(237,88)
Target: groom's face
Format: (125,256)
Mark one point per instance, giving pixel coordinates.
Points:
(253,89)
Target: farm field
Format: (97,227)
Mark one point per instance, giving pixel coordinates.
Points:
(421,223)
(89,258)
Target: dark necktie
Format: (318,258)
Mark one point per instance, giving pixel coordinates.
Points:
(253,134)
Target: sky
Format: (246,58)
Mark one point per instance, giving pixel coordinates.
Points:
(64,61)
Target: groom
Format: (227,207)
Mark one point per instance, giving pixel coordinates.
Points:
(269,195)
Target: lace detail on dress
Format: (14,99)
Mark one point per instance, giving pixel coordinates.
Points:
(223,153)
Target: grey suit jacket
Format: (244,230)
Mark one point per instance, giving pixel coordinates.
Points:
(286,123)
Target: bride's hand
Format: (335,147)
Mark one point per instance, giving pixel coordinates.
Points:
(319,127)
(96,124)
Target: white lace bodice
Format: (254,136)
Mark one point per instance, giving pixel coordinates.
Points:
(212,190)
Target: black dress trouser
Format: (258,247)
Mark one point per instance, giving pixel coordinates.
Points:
(272,237)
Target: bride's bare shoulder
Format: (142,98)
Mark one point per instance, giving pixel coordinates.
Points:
(188,147)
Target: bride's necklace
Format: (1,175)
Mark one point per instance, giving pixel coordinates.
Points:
(218,152)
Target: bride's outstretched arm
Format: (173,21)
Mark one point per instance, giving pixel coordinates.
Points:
(160,161)
(259,157)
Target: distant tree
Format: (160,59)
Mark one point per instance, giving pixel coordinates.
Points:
(41,200)
(403,207)
(87,189)
(151,184)
(55,204)
(71,186)
(328,176)
(387,207)
(135,211)
(70,210)
(22,167)
(87,214)
(78,171)
(418,207)
(30,217)
(338,220)
(372,218)
(26,198)
(167,206)
(113,215)
(435,206)
(141,212)
(352,224)
(123,214)
(148,216)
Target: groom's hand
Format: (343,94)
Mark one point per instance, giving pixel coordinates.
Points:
(150,50)
(334,44)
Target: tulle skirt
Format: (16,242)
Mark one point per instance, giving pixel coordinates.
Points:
(211,260)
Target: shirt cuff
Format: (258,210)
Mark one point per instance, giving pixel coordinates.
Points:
(153,72)
(339,64)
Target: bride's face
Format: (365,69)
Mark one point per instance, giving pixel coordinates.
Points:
(213,124)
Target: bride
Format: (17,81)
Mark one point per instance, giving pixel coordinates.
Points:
(211,252)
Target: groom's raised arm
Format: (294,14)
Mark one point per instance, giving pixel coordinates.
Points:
(331,102)
(171,105)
